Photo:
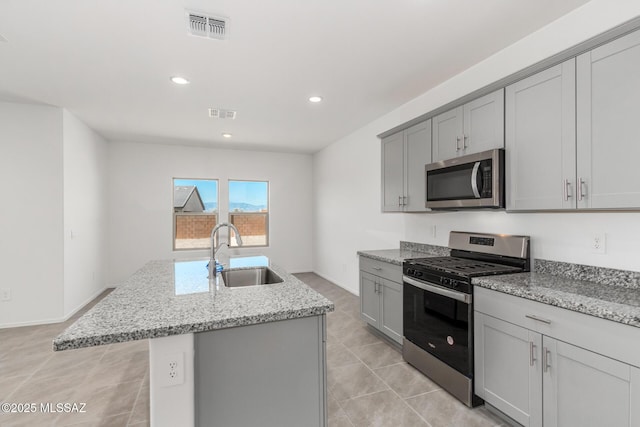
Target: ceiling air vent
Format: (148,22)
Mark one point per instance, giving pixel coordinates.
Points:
(205,25)
(219,113)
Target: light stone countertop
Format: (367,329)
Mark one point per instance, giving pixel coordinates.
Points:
(612,302)
(407,250)
(601,292)
(152,303)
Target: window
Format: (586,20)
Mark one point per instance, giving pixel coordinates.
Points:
(249,211)
(195,212)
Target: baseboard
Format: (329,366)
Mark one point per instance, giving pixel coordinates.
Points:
(335,282)
(55,320)
(82,304)
(31,323)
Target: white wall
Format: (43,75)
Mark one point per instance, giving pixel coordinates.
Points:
(347,173)
(31,243)
(140,201)
(85,210)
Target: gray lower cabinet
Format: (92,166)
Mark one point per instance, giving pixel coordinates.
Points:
(381,297)
(505,375)
(268,374)
(541,380)
(404,155)
(471,128)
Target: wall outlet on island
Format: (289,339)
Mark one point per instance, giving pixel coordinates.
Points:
(173,369)
(599,243)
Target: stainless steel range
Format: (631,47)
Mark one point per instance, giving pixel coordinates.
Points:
(438,305)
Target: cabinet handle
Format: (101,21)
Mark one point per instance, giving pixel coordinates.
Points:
(581,194)
(545,359)
(375,287)
(377,268)
(464,141)
(532,357)
(538,319)
(566,190)
(399,200)
(457,143)
(404,200)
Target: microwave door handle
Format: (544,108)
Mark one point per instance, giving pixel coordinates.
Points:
(474,180)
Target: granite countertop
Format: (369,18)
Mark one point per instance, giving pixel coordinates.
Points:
(407,250)
(152,304)
(618,303)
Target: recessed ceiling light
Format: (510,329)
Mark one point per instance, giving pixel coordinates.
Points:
(226,135)
(315,98)
(179,80)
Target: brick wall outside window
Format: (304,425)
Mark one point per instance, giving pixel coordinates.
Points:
(194,226)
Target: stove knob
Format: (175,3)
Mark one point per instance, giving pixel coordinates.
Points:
(418,273)
(410,271)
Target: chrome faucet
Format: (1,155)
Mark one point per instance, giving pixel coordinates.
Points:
(214,244)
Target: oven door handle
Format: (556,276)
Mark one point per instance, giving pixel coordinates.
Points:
(458,296)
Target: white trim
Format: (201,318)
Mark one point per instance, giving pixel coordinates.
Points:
(58,320)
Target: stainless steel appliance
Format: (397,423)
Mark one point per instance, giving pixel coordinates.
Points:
(472,181)
(438,305)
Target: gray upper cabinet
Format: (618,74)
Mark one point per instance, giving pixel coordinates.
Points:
(474,127)
(393,172)
(608,109)
(447,132)
(570,132)
(404,155)
(540,140)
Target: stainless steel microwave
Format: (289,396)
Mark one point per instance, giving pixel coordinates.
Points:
(471,181)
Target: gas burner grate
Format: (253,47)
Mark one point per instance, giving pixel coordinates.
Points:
(463,266)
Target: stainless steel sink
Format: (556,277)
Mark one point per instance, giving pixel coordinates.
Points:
(250,277)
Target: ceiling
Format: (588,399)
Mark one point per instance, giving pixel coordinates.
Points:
(109,62)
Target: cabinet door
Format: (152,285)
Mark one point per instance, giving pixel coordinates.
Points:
(369,298)
(392,172)
(417,155)
(585,389)
(508,369)
(540,140)
(391,309)
(447,134)
(484,123)
(608,112)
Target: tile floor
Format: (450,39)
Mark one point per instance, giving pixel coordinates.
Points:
(369,383)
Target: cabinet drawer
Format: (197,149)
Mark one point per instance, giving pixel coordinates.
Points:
(611,339)
(382,269)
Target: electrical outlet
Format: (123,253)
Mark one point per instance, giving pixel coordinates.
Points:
(599,243)
(172,370)
(5,294)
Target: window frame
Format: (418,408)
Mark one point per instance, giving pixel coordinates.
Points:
(174,214)
(266,214)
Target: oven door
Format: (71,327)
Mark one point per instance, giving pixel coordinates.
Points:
(439,320)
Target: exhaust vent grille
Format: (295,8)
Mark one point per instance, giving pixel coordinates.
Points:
(204,25)
(219,113)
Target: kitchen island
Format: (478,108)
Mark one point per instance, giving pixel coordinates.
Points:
(251,355)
